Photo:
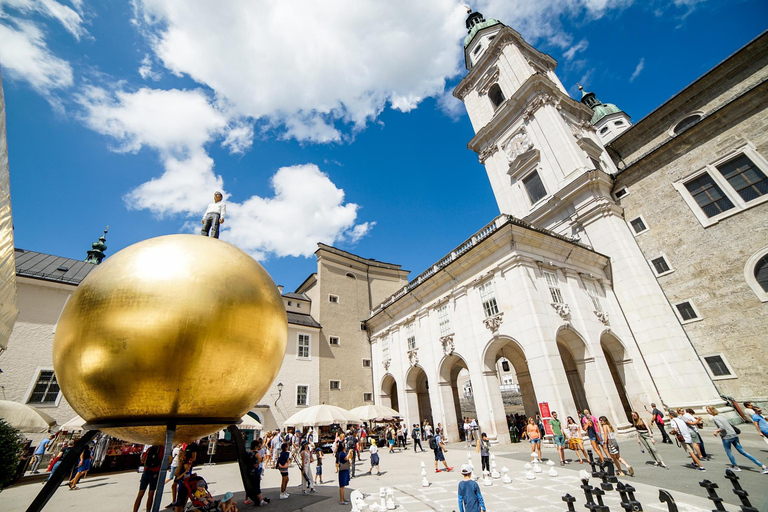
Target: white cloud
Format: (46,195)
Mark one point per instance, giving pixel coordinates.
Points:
(25,56)
(573,50)
(638,70)
(146,70)
(309,66)
(70,19)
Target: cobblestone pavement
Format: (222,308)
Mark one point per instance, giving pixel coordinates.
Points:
(402,472)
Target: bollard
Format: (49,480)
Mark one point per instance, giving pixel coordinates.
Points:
(717,500)
(628,501)
(743,495)
(667,498)
(569,500)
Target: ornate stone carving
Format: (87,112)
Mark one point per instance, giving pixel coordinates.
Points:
(562,309)
(487,152)
(413,357)
(447,342)
(517,145)
(487,80)
(538,102)
(492,323)
(602,316)
(386,364)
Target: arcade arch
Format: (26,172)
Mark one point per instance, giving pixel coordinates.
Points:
(450,394)
(419,407)
(389,392)
(506,348)
(616,357)
(573,352)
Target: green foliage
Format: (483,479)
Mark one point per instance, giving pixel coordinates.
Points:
(10,451)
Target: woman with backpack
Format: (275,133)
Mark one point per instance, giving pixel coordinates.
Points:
(729,435)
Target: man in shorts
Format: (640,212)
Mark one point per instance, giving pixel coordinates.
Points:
(681,428)
(559,438)
(438,446)
(151,459)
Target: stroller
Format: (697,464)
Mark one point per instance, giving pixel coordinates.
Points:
(200,498)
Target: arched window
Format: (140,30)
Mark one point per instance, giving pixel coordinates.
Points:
(686,123)
(761,273)
(496,96)
(756,273)
(603,130)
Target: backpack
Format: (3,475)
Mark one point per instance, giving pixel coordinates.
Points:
(389,434)
(433,443)
(154,457)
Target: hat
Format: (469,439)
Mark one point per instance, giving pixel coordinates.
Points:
(466,470)
(227,497)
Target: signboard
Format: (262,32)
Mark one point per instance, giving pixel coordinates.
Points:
(545,417)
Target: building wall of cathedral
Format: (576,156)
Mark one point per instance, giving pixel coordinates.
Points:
(709,262)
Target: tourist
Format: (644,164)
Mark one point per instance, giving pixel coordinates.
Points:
(182,471)
(759,421)
(594,437)
(683,434)
(658,419)
(400,438)
(533,435)
(344,463)
(693,425)
(467,433)
(613,446)
(375,458)
(283,463)
(484,448)
(39,452)
(559,437)
(175,462)
(473,428)
(749,410)
(275,445)
(470,498)
(575,441)
(427,430)
(645,438)
(730,438)
(352,446)
(227,504)
(306,468)
(438,446)
(416,435)
(82,468)
(319,467)
(65,449)
(390,436)
(255,463)
(151,459)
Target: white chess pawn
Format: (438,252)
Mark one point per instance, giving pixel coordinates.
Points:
(424,472)
(390,504)
(424,482)
(495,474)
(536,468)
(535,458)
(423,465)
(529,475)
(550,462)
(487,479)
(552,472)
(506,479)
(383,505)
(469,455)
(528,465)
(493,457)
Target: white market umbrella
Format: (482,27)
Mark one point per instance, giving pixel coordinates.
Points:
(321,415)
(73,425)
(25,418)
(249,423)
(375,413)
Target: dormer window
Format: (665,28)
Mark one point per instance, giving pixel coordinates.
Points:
(477,49)
(496,96)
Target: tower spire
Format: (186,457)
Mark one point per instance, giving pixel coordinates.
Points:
(96,254)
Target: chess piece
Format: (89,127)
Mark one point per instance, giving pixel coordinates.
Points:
(383,497)
(505,478)
(570,500)
(423,471)
(374,507)
(529,475)
(550,462)
(528,465)
(712,494)
(746,506)
(537,468)
(390,499)
(667,498)
(495,474)
(552,472)
(487,479)
(534,458)
(424,482)
(423,465)
(357,500)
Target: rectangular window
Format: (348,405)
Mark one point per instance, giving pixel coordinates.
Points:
(708,195)
(444,320)
(335,384)
(411,336)
(367,397)
(333,298)
(333,340)
(621,193)
(366,363)
(554,287)
(488,298)
(46,389)
(592,292)
(534,187)
(660,265)
(302,395)
(303,350)
(717,366)
(686,311)
(505,365)
(638,226)
(744,177)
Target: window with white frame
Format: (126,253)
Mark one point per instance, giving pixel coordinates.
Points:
(444,320)
(761,273)
(333,340)
(335,385)
(726,186)
(367,397)
(385,348)
(687,311)
(756,273)
(593,295)
(661,266)
(410,336)
(46,389)
(638,225)
(302,395)
(622,192)
(488,298)
(303,346)
(718,367)
(554,286)
(366,363)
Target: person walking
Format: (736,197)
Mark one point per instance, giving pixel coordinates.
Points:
(467,433)
(645,438)
(438,446)
(759,421)
(151,459)
(374,459)
(693,425)
(613,446)
(343,459)
(427,431)
(306,468)
(319,467)
(683,434)
(470,497)
(283,463)
(593,433)
(62,452)
(82,468)
(400,439)
(575,441)
(416,435)
(473,429)
(39,452)
(484,448)
(559,437)
(256,466)
(730,438)
(352,447)
(534,437)
(658,419)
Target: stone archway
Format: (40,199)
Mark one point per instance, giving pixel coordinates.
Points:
(452,395)
(418,404)
(388,393)
(616,357)
(510,350)
(573,352)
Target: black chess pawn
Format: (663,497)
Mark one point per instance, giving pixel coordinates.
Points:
(743,495)
(569,500)
(712,494)
(667,498)
(590,504)
(607,476)
(595,472)
(601,507)
(628,501)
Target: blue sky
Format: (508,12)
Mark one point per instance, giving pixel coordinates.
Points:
(323,121)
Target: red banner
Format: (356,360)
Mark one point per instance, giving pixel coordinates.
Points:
(544,410)
(548,428)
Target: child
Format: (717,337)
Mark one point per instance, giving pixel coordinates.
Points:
(470,499)
(374,458)
(319,467)
(283,462)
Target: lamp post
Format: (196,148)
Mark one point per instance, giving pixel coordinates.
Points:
(279,391)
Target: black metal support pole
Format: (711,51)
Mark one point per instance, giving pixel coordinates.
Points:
(743,495)
(717,500)
(243,461)
(170,432)
(667,498)
(53,483)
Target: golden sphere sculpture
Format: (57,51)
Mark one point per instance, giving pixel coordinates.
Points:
(174,328)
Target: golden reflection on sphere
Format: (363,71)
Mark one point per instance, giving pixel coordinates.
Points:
(178,326)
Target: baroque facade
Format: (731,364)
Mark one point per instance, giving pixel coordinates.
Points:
(558,285)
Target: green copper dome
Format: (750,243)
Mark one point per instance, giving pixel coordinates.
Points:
(477,28)
(602,110)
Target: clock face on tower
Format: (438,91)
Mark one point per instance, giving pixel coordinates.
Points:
(517,145)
